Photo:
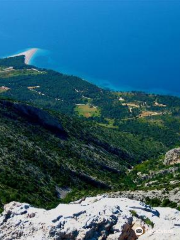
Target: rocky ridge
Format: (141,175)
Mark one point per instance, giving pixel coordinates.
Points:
(91,218)
(153,174)
(141,195)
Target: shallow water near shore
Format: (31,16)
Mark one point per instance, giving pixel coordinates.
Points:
(121,45)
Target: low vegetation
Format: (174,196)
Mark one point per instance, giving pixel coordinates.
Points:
(143,218)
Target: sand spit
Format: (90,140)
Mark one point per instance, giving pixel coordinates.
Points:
(28,54)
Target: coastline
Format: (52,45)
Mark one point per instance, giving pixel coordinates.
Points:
(105,84)
(29,54)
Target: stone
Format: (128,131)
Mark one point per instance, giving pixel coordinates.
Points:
(100,217)
(172,157)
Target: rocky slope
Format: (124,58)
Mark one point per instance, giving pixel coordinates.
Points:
(91,218)
(157,181)
(140,195)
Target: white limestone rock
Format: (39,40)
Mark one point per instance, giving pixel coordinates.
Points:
(172,157)
(93,218)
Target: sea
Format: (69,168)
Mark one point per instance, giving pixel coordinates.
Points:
(122,45)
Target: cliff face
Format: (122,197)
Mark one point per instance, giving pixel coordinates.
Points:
(37,116)
(93,218)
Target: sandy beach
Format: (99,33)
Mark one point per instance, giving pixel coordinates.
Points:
(28,54)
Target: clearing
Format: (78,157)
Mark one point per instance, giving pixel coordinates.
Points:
(87,110)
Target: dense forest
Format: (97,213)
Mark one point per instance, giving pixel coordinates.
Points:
(72,95)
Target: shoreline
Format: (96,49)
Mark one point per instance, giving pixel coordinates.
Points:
(29,54)
(105,84)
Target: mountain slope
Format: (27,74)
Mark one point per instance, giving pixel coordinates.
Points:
(41,152)
(157,181)
(47,155)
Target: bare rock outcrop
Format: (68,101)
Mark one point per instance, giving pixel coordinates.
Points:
(92,218)
(172,157)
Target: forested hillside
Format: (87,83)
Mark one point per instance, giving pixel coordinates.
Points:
(62,137)
(74,96)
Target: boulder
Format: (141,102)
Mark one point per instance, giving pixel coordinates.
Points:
(172,157)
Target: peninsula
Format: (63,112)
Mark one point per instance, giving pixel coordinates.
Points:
(28,54)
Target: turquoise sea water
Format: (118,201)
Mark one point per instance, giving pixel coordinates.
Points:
(118,44)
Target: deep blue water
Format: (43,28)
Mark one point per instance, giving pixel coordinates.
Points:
(124,45)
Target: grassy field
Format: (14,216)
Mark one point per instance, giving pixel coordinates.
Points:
(15,73)
(87,110)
